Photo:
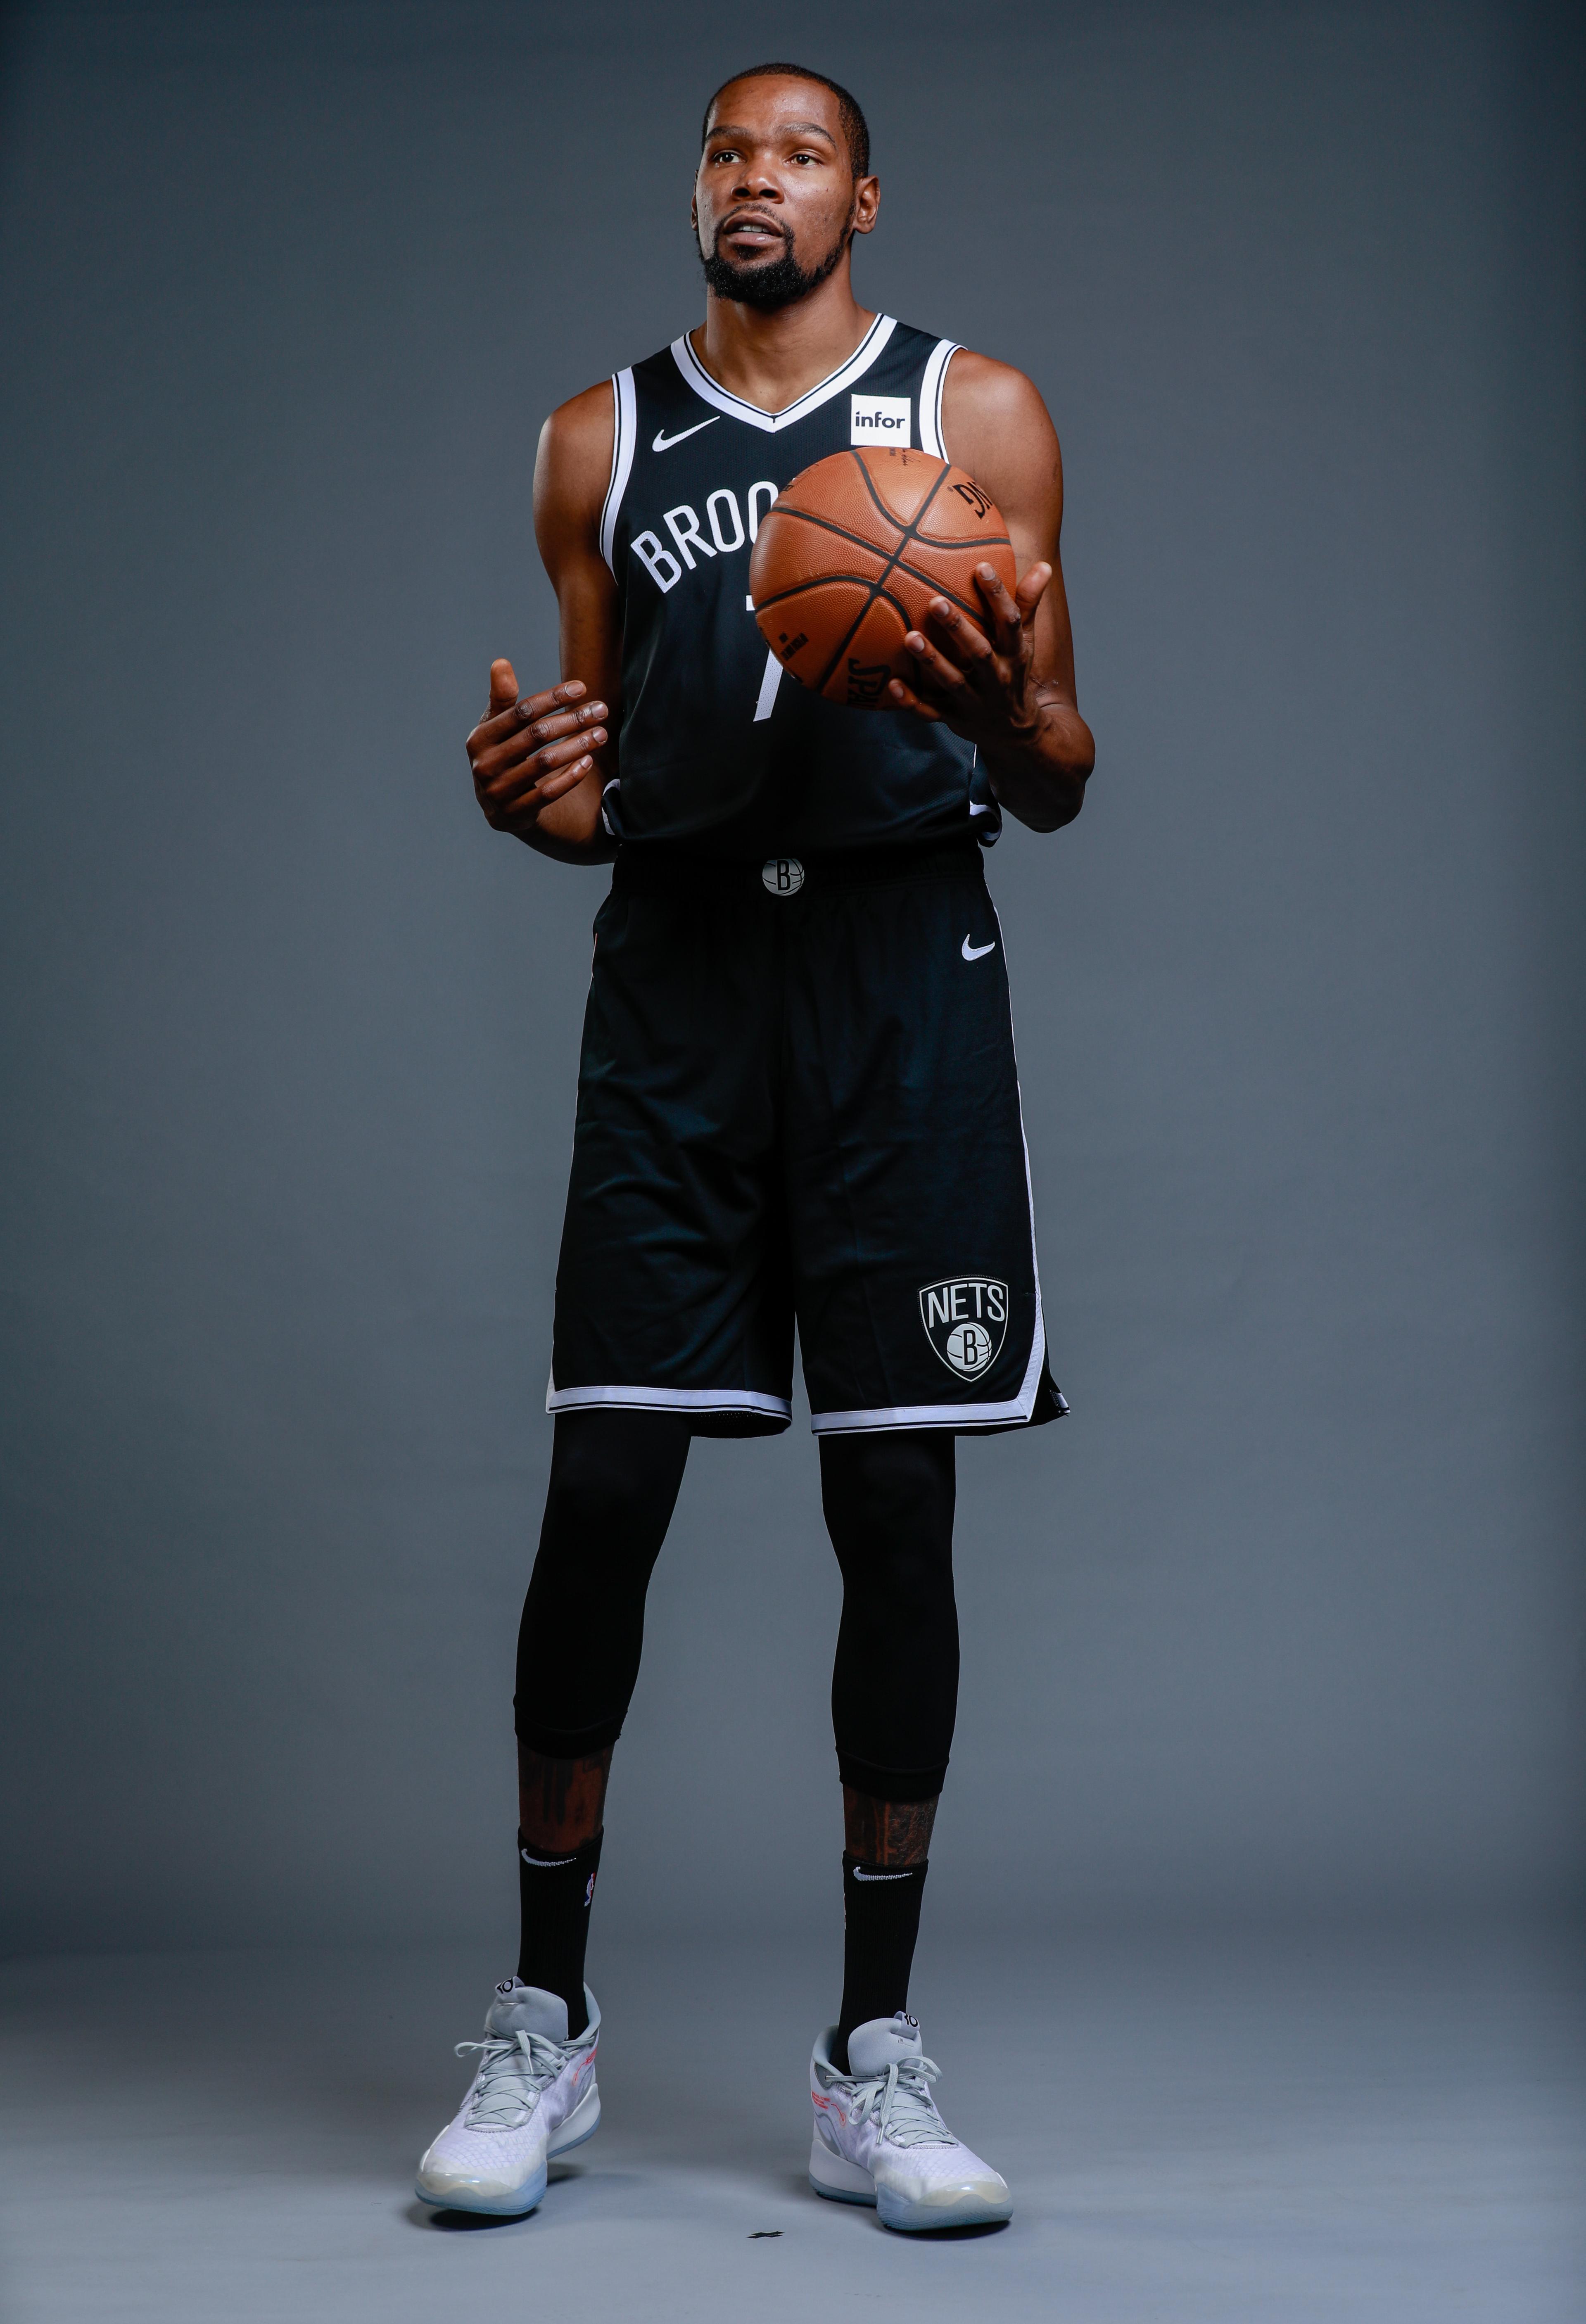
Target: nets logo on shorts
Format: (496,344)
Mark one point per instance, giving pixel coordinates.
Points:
(965,1317)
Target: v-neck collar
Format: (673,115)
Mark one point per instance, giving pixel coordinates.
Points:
(734,406)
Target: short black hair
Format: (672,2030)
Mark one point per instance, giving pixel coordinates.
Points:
(855,128)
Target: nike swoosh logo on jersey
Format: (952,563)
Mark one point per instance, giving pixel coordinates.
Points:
(664,443)
(858,1875)
(977,952)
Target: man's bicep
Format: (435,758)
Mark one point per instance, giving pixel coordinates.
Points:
(572,473)
(995,424)
(572,470)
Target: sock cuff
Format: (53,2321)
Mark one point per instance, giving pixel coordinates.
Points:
(861,1871)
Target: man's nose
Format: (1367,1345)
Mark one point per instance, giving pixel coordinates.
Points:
(755,186)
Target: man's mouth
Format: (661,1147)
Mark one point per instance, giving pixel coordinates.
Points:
(750,229)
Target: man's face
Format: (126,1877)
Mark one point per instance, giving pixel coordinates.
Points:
(776,198)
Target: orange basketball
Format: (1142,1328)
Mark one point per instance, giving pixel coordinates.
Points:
(849,556)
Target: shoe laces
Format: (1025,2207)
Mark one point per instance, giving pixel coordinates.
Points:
(512,2072)
(901,2104)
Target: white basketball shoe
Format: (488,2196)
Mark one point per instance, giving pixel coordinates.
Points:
(533,2097)
(879,2138)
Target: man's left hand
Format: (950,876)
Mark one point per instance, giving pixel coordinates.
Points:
(976,680)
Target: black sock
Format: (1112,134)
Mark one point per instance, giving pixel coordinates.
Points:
(554,1894)
(880,1921)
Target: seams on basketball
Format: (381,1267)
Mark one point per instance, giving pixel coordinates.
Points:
(850,554)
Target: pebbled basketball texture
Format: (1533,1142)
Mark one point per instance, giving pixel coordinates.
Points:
(848,557)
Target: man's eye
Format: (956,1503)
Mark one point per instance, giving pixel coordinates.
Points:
(728,153)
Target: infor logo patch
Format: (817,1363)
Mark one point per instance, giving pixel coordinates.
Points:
(881,419)
(965,1317)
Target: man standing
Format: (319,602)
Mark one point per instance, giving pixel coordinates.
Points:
(798,1096)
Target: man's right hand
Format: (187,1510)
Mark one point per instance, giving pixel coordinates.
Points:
(527,751)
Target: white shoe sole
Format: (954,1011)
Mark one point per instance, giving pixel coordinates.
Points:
(514,2201)
(842,2181)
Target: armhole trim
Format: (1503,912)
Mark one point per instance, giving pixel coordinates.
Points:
(623,429)
(930,397)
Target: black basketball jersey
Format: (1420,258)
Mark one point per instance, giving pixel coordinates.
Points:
(719,749)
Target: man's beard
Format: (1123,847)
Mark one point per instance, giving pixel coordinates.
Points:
(774,284)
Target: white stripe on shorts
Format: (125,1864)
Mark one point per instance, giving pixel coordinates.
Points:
(667,1400)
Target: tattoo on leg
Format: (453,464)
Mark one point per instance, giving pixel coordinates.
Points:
(561,1803)
(887,1831)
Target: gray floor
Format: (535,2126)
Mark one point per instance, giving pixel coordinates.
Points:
(1380,2131)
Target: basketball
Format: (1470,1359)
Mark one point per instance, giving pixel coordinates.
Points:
(849,556)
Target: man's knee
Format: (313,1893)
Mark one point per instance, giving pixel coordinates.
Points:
(592,1500)
(613,1482)
(891,1495)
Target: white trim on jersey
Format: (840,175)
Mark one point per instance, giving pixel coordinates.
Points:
(766,701)
(624,432)
(669,1399)
(930,397)
(734,406)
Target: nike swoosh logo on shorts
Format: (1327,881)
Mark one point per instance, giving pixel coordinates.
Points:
(977,952)
(858,1875)
(664,443)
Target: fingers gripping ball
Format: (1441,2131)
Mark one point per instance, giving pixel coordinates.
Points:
(847,560)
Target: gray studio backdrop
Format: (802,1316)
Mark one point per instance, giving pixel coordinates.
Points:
(1285,1620)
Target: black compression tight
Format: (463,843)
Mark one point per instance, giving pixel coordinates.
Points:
(887,1500)
(614,1485)
(888,1507)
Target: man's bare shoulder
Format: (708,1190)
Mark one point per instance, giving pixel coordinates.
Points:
(574,465)
(991,394)
(581,430)
(995,423)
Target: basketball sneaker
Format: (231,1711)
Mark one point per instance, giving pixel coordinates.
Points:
(533,2096)
(879,2138)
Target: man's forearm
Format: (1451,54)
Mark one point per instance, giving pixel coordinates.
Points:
(572,829)
(1040,776)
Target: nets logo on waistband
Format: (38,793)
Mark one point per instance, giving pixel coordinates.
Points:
(965,1317)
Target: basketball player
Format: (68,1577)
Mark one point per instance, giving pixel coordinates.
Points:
(797,1094)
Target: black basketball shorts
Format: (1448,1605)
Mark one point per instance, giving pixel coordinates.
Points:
(797,1103)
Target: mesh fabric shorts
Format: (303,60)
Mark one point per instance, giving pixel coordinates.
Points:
(799,1104)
